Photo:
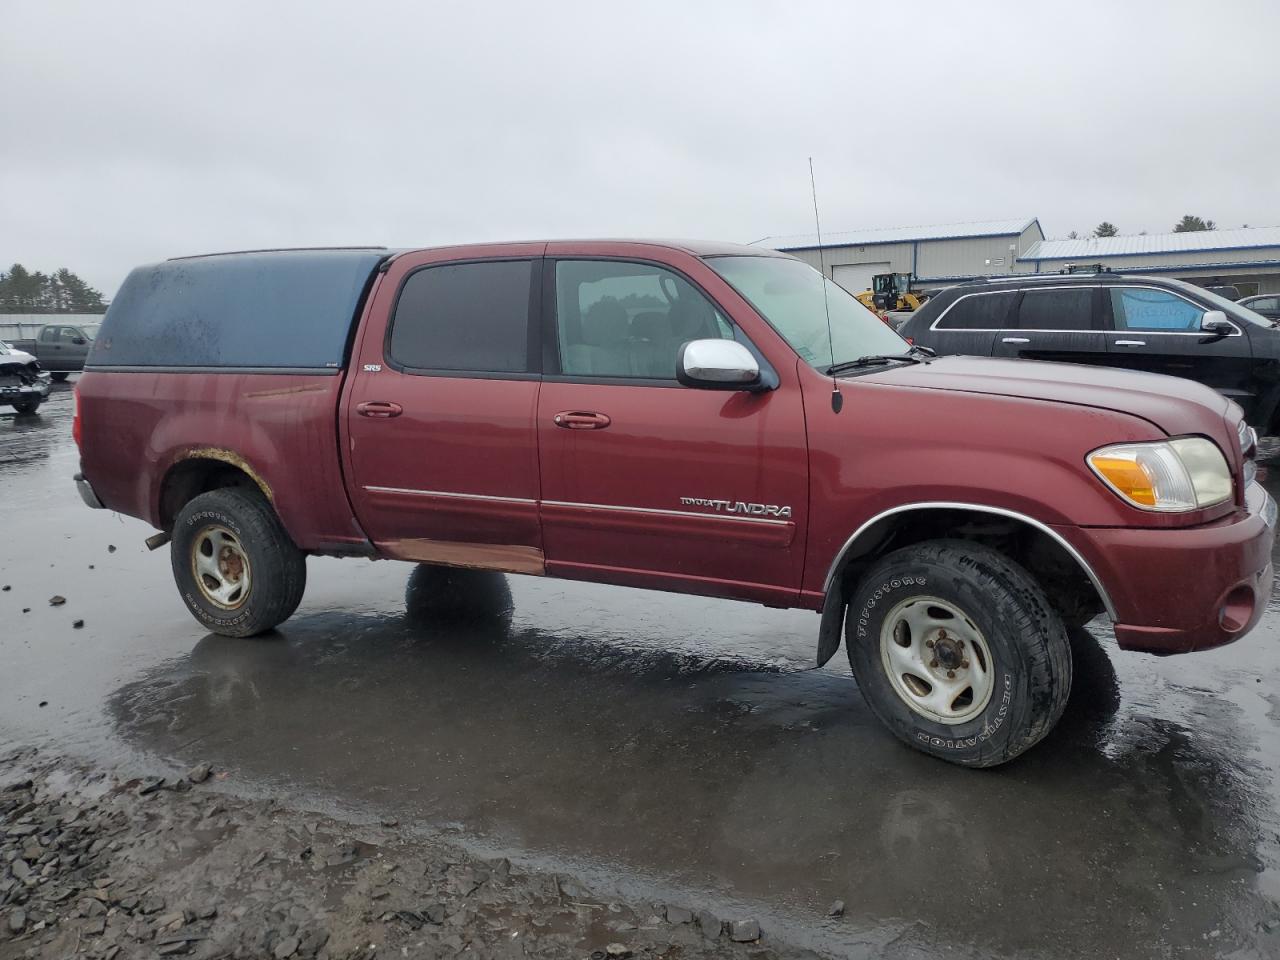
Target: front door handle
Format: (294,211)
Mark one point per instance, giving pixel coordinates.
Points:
(1130,343)
(581,420)
(380,409)
(1016,340)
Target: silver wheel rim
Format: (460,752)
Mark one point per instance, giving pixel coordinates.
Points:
(937,660)
(220,567)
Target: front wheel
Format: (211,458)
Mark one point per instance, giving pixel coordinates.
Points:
(959,652)
(26,407)
(59,376)
(237,569)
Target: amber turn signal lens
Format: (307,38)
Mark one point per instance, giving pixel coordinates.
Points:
(1129,477)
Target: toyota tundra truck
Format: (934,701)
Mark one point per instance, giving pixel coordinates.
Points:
(700,418)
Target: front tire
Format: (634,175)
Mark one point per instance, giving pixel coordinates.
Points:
(26,407)
(958,651)
(59,376)
(236,568)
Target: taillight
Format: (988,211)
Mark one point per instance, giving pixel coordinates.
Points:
(910,340)
(75,414)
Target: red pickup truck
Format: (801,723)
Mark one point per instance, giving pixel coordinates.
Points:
(694,417)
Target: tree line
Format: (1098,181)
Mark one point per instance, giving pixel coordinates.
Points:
(1190,223)
(22,291)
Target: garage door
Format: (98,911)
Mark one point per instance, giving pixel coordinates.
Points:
(856,277)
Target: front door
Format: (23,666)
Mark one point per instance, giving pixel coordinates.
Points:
(1158,330)
(1054,323)
(439,416)
(649,483)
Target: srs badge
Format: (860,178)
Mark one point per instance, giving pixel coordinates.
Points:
(737,506)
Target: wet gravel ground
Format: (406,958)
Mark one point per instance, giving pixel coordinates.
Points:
(650,749)
(160,867)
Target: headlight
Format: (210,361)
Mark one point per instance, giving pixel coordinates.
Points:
(1170,476)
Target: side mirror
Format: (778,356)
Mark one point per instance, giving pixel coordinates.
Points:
(79,341)
(717,365)
(1215,323)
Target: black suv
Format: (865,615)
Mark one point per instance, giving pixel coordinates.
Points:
(1116,320)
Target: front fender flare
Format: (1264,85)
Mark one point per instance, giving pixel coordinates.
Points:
(836,599)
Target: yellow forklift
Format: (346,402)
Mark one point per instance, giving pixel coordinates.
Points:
(892,291)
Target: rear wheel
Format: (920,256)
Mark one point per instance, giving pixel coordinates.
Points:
(27,406)
(237,569)
(959,652)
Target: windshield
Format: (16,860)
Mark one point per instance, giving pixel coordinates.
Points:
(788,294)
(90,330)
(4,349)
(1229,307)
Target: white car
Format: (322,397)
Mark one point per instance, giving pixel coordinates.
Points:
(23,385)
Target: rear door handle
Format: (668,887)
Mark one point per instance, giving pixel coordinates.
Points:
(381,409)
(1016,340)
(581,420)
(1130,343)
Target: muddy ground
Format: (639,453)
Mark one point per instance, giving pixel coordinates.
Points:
(647,750)
(177,867)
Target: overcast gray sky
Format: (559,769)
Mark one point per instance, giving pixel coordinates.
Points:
(133,131)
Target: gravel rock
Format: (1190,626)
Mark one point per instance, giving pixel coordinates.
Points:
(17,920)
(709,924)
(57,601)
(679,914)
(744,931)
(200,772)
(836,909)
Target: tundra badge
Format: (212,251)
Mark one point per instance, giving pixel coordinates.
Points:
(737,506)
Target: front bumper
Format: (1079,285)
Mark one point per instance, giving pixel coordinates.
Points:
(1175,591)
(87,493)
(26,392)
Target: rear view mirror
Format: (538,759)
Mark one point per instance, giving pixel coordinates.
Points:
(717,365)
(1215,322)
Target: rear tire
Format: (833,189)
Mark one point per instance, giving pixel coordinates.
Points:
(236,568)
(59,376)
(26,407)
(958,651)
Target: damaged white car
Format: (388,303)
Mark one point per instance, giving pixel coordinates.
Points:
(23,385)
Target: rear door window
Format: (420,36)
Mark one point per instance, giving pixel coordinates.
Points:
(979,311)
(1060,309)
(1155,311)
(466,317)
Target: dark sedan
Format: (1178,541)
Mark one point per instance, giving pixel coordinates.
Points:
(1267,304)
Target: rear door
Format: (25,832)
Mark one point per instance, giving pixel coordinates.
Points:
(1060,323)
(439,439)
(1155,329)
(649,483)
(968,325)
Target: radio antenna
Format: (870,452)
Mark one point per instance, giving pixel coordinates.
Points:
(837,401)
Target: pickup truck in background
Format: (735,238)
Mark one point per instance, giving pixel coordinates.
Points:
(694,417)
(60,344)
